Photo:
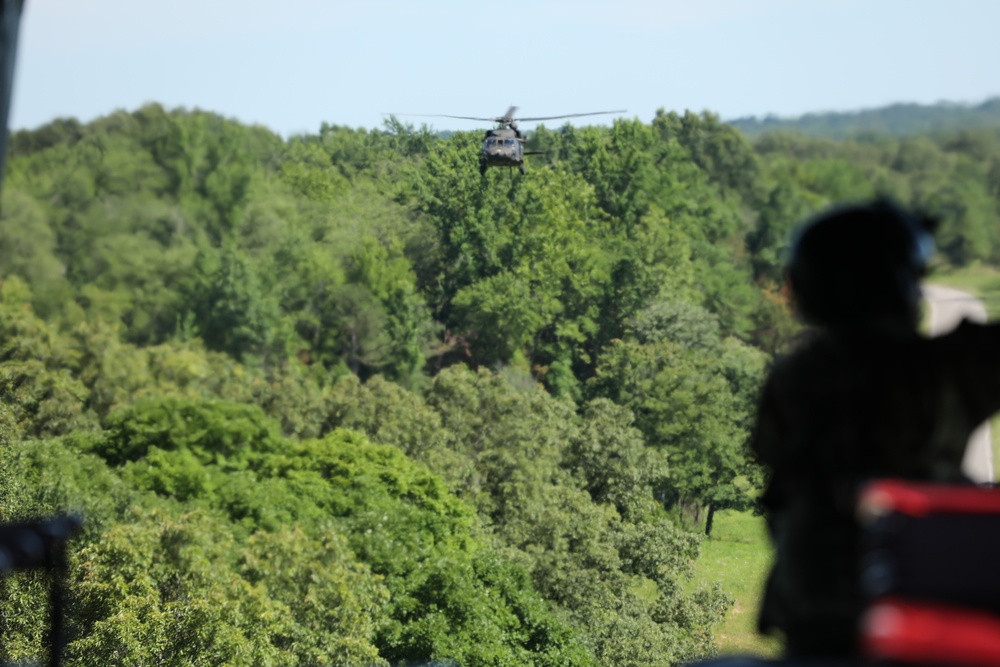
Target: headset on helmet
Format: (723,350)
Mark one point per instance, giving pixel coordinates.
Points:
(861,264)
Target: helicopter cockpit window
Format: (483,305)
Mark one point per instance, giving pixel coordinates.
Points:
(491,141)
(508,142)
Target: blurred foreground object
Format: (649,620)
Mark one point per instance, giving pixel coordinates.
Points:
(10,22)
(41,545)
(930,554)
(33,544)
(865,397)
(36,544)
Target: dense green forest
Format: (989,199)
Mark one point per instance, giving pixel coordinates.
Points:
(897,120)
(339,400)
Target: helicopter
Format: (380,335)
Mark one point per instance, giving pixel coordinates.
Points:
(503,145)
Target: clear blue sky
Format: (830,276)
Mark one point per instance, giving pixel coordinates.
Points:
(293,64)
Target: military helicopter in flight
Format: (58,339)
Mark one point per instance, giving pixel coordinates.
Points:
(503,145)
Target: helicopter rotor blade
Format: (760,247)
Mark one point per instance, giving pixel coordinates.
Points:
(507,118)
(441,115)
(572,115)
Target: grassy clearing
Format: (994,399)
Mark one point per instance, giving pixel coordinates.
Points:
(984,283)
(738,556)
(977,279)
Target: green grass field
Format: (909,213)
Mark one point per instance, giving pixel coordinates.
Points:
(738,556)
(979,280)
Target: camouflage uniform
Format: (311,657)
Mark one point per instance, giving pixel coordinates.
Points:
(849,406)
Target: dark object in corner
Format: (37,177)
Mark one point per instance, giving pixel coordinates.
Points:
(41,545)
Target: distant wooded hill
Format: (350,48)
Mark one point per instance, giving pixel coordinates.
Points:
(897,120)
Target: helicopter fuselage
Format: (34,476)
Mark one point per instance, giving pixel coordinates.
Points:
(502,147)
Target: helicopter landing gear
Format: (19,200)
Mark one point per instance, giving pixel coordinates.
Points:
(521,169)
(482,168)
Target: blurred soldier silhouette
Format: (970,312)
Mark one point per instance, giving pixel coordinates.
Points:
(865,397)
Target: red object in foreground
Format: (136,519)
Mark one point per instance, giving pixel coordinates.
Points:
(930,559)
(925,498)
(924,633)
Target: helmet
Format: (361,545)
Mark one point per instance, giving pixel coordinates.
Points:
(861,264)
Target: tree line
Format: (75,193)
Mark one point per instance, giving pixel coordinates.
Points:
(897,120)
(338,399)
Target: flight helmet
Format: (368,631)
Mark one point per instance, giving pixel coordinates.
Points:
(861,265)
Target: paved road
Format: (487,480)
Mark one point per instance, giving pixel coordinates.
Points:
(947,308)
